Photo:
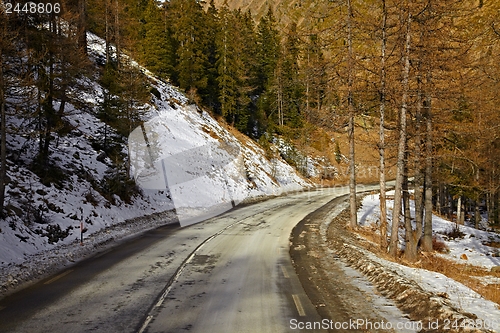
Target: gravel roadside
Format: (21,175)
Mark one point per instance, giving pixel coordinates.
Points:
(321,248)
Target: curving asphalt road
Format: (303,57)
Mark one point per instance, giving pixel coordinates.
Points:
(232,273)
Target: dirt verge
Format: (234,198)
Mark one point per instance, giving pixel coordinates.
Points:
(321,240)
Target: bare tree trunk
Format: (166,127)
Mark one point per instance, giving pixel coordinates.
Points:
(3,130)
(497,205)
(488,207)
(82,26)
(459,210)
(418,176)
(383,200)
(439,199)
(477,214)
(308,78)
(350,103)
(412,236)
(106,30)
(393,246)
(427,237)
(117,35)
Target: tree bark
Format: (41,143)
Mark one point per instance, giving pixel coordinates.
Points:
(350,104)
(393,246)
(459,210)
(3,127)
(418,181)
(117,35)
(412,236)
(383,200)
(107,31)
(477,214)
(82,26)
(427,237)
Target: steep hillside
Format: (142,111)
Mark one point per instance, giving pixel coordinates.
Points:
(46,218)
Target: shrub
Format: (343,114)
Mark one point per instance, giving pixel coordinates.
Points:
(454,232)
(438,245)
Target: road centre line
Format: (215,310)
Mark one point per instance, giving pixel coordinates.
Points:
(298,305)
(179,271)
(285,273)
(58,276)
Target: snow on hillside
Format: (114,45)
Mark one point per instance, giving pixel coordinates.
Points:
(44,220)
(473,243)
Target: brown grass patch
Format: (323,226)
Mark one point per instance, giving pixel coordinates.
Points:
(493,244)
(462,273)
(438,245)
(209,131)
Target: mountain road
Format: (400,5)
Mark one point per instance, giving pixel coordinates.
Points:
(232,273)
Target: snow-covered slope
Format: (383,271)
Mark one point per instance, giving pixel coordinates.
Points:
(474,243)
(46,218)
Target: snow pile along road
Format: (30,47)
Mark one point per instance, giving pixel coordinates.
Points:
(426,296)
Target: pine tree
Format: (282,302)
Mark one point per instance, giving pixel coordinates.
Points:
(156,46)
(227,64)
(210,94)
(268,86)
(255,121)
(293,89)
(186,18)
(234,65)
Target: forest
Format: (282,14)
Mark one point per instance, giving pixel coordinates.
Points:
(426,71)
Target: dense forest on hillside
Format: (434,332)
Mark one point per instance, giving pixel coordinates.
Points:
(427,71)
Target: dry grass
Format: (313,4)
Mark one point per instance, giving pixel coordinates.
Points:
(493,244)
(465,274)
(438,245)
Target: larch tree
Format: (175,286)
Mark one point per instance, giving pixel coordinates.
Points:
(315,78)
(402,141)
(352,117)
(382,109)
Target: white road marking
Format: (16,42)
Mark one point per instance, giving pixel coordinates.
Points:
(179,272)
(285,273)
(298,305)
(59,276)
(146,323)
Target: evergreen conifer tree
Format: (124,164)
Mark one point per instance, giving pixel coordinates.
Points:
(293,89)
(156,48)
(186,19)
(268,74)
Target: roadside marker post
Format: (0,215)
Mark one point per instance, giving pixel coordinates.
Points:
(81,227)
